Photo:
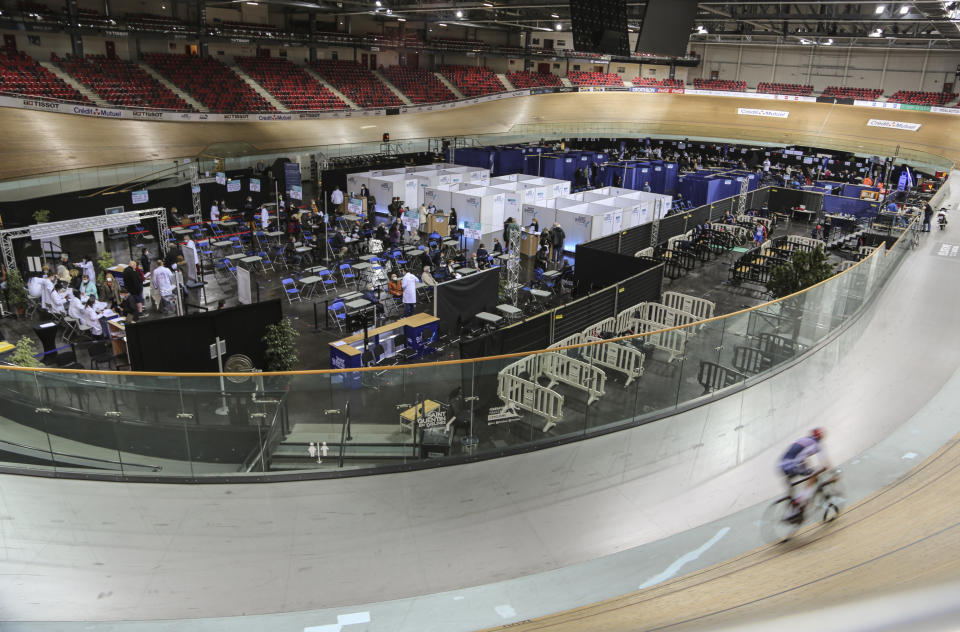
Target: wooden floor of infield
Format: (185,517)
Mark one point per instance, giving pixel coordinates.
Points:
(904,536)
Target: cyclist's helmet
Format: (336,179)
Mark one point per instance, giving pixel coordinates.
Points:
(817,433)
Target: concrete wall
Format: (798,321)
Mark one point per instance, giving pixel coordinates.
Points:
(822,66)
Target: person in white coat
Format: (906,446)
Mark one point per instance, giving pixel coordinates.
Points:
(409,285)
(47,285)
(58,301)
(264,219)
(162,281)
(92,319)
(74,306)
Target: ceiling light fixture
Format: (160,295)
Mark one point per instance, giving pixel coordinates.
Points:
(876,33)
(459,13)
(378,3)
(881,8)
(441,23)
(828,42)
(488,4)
(401,19)
(559,26)
(904,10)
(554,15)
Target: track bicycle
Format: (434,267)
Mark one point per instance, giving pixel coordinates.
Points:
(823,507)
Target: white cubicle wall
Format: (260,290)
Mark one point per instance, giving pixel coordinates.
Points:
(484,205)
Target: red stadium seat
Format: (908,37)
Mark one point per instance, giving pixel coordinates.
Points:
(210,82)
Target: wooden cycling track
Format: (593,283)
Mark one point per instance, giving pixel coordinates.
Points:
(903,536)
(892,539)
(43,142)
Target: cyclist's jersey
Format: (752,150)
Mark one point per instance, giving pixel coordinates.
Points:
(795,456)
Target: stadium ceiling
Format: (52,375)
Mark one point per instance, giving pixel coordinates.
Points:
(867,23)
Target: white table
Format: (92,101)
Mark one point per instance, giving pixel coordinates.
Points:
(251,261)
(509,311)
(237,256)
(358,304)
(551,274)
(223,244)
(543,294)
(274,233)
(466,270)
(488,318)
(310,285)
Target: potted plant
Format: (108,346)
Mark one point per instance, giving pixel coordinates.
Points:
(16,291)
(104,262)
(281,349)
(25,353)
(41,216)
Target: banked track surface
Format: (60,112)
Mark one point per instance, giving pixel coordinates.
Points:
(43,142)
(907,534)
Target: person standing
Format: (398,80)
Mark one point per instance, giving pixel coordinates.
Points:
(162,280)
(557,237)
(133,283)
(409,286)
(336,198)
(646,187)
(264,218)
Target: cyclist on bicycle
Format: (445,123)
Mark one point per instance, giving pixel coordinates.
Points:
(794,464)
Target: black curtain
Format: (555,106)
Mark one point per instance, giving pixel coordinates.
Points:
(459,300)
(183,344)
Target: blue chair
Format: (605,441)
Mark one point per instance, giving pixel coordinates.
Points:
(291,290)
(326,278)
(227,266)
(347,275)
(339,313)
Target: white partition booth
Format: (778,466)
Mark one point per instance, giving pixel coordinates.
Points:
(410,183)
(483,205)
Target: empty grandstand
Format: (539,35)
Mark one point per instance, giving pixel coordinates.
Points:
(121,83)
(210,82)
(420,86)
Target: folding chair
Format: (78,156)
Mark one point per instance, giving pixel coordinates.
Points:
(347,275)
(339,313)
(265,261)
(326,280)
(291,290)
(227,266)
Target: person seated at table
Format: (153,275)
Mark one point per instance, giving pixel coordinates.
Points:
(482,256)
(534,226)
(129,307)
(374,297)
(74,305)
(474,262)
(338,243)
(729,218)
(450,271)
(94,319)
(395,233)
(380,233)
(427,277)
(497,247)
(542,259)
(290,254)
(566,272)
(88,287)
(58,299)
(394,286)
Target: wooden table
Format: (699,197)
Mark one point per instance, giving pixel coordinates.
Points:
(412,415)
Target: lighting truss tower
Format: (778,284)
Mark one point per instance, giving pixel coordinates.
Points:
(742,199)
(513,263)
(195,190)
